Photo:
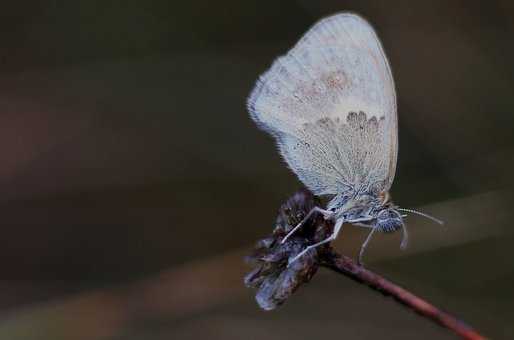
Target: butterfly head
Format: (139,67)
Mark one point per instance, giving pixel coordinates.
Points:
(388,219)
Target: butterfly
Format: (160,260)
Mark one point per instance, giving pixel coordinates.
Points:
(330,104)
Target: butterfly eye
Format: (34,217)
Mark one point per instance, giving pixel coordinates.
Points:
(385,215)
(389,224)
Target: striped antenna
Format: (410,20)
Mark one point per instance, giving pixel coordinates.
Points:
(436,220)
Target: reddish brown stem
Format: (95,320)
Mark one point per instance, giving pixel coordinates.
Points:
(345,265)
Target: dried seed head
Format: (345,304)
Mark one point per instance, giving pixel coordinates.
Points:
(274,279)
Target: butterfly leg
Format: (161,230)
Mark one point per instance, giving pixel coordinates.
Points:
(337,229)
(365,245)
(405,237)
(325,213)
(361,219)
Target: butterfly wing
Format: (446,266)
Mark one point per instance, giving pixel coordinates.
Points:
(330,103)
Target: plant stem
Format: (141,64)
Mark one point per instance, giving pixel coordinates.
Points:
(345,265)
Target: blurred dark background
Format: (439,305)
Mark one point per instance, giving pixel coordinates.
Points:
(133,182)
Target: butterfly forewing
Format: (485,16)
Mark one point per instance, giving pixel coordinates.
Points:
(330,103)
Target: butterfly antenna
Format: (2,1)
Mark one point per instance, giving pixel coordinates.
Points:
(436,220)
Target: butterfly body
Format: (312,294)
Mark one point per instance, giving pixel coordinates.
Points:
(330,104)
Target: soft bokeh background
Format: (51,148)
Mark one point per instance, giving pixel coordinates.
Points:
(133,182)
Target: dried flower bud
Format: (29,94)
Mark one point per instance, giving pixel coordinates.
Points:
(274,279)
